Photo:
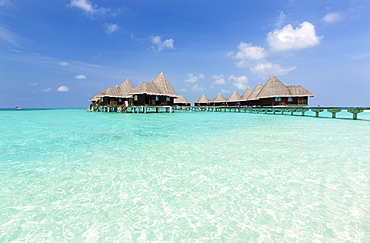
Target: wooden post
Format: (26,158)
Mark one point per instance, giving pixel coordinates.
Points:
(317,111)
(355,112)
(334,112)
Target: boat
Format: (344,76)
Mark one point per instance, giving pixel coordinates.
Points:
(18,107)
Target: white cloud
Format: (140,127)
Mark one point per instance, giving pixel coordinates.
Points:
(80,76)
(159,45)
(332,17)
(63,63)
(83,4)
(46,90)
(110,28)
(34,84)
(5,2)
(88,7)
(268,68)
(247,51)
(219,79)
(225,91)
(192,79)
(196,88)
(239,82)
(287,38)
(280,20)
(8,36)
(63,89)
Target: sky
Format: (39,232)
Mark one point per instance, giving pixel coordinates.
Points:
(58,54)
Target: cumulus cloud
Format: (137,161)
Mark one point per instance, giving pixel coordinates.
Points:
(193,78)
(247,51)
(268,68)
(110,28)
(46,90)
(63,89)
(83,4)
(63,64)
(288,38)
(80,76)
(34,84)
(239,82)
(332,17)
(87,7)
(219,79)
(159,45)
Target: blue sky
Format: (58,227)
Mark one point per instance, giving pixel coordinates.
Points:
(60,53)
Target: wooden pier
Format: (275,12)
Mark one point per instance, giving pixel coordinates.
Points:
(292,110)
(289,110)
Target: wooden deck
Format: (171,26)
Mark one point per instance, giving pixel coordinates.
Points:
(292,110)
(135,109)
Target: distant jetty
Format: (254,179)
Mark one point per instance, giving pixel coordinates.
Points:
(159,96)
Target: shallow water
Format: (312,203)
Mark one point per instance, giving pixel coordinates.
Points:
(72,175)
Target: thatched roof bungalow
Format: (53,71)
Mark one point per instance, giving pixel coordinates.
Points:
(275,93)
(203,100)
(114,95)
(157,92)
(234,99)
(219,100)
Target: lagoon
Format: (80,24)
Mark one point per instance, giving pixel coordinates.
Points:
(72,175)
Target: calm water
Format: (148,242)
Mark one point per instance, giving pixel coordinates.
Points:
(72,175)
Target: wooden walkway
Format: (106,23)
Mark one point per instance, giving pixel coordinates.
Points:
(135,109)
(292,110)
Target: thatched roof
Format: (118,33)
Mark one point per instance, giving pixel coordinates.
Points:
(146,88)
(219,98)
(121,91)
(234,97)
(273,88)
(126,87)
(181,100)
(246,94)
(97,96)
(163,86)
(254,93)
(202,99)
(108,92)
(299,91)
(158,86)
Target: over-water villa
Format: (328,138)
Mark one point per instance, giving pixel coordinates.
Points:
(273,93)
(160,93)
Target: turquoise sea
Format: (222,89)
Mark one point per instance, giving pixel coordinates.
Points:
(68,175)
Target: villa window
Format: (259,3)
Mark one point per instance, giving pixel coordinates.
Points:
(277,98)
(119,100)
(168,98)
(156,98)
(290,99)
(135,98)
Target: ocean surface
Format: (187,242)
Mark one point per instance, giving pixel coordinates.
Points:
(68,175)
